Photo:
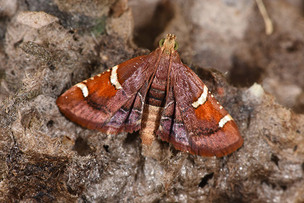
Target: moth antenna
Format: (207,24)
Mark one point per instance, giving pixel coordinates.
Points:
(169,78)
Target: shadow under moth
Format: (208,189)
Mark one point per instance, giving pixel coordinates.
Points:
(158,95)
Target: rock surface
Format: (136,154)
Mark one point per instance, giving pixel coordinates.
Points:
(47,46)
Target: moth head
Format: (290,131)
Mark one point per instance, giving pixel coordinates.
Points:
(168,44)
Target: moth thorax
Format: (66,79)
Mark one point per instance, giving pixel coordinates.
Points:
(150,122)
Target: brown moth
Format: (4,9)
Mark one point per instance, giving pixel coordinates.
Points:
(158,95)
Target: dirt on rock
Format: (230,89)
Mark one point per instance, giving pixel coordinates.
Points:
(47,46)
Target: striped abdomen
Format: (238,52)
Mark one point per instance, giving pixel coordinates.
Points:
(155,101)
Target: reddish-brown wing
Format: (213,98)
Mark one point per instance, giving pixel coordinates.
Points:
(128,117)
(199,124)
(171,128)
(112,101)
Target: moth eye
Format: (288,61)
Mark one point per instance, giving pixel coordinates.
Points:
(175,46)
(161,42)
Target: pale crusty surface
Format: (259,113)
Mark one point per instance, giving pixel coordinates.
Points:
(47,158)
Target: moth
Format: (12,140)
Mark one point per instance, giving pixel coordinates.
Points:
(158,95)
